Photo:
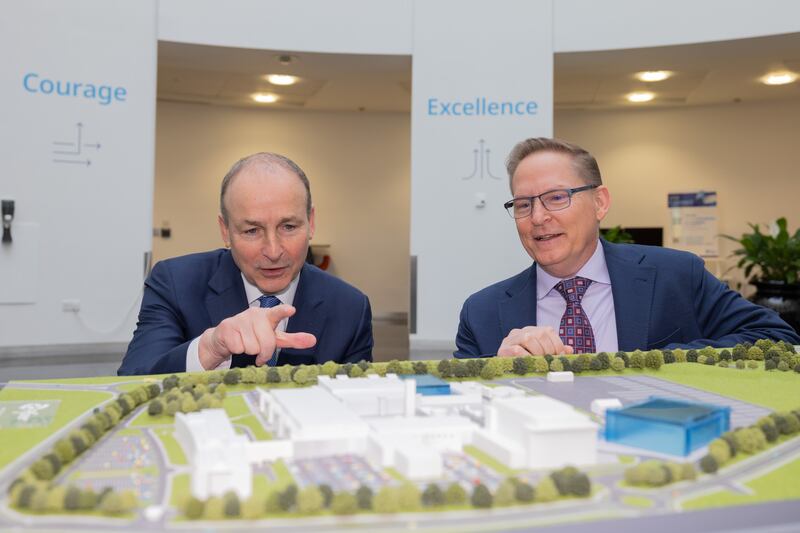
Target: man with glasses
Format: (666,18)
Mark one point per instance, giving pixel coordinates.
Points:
(585,295)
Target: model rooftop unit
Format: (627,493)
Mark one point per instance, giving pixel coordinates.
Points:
(666,425)
(428,385)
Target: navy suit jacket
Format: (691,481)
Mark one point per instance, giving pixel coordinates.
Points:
(662,299)
(186,295)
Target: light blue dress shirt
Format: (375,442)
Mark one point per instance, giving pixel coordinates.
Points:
(597,303)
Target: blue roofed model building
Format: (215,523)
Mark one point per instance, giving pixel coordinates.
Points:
(428,385)
(667,425)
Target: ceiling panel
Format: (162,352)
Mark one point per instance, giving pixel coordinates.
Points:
(707,73)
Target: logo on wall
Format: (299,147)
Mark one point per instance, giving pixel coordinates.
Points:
(481,163)
(75,152)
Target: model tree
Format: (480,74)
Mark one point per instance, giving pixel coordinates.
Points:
(708,464)
(432,496)
(310,500)
(364,497)
(344,503)
(481,497)
(455,494)
(409,497)
(386,501)
(524,492)
(194,508)
(546,490)
(506,493)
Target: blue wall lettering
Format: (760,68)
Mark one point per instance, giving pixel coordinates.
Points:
(480,107)
(103,94)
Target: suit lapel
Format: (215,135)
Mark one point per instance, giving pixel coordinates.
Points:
(226,297)
(307,300)
(632,286)
(519,310)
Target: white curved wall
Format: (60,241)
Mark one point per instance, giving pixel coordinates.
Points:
(386,26)
(341,26)
(590,25)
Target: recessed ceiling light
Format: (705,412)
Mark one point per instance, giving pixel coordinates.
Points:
(265,98)
(281,79)
(653,75)
(640,96)
(779,78)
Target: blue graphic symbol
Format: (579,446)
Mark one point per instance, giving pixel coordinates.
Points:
(481,166)
(72,151)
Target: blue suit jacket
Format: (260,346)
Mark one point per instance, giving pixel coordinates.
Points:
(186,295)
(662,299)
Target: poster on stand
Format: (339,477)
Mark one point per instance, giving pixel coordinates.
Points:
(693,218)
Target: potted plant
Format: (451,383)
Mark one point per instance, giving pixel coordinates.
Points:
(617,235)
(771,262)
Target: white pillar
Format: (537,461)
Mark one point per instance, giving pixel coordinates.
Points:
(482,81)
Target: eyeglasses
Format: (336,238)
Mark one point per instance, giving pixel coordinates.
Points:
(554,200)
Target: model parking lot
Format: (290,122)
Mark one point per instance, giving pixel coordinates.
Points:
(120,462)
(340,472)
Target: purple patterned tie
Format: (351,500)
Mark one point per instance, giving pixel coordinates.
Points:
(575,329)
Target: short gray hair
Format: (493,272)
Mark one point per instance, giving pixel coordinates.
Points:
(268,159)
(585,163)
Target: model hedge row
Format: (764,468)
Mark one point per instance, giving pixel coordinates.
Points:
(405,497)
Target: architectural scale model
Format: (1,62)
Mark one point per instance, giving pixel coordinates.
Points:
(611,437)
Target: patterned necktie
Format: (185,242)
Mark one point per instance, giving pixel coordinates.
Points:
(270,301)
(575,329)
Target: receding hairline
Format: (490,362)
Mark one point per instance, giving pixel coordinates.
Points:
(268,161)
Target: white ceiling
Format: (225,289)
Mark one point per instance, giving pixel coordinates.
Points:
(228,76)
(707,73)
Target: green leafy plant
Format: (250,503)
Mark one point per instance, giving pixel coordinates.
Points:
(617,235)
(776,254)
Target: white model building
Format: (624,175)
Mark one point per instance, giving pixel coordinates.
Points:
(385,420)
(537,432)
(218,457)
(316,421)
(414,445)
(373,395)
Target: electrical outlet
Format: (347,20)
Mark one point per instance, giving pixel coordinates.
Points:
(71,306)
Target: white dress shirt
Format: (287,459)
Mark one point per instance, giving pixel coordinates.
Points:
(597,302)
(253,293)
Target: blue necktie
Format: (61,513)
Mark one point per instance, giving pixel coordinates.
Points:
(270,301)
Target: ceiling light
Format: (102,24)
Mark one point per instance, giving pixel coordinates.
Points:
(281,79)
(640,96)
(653,75)
(779,78)
(265,98)
(286,59)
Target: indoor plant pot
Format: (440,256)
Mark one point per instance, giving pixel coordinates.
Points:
(771,262)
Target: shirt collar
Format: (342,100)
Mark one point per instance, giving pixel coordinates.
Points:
(286,296)
(594,269)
